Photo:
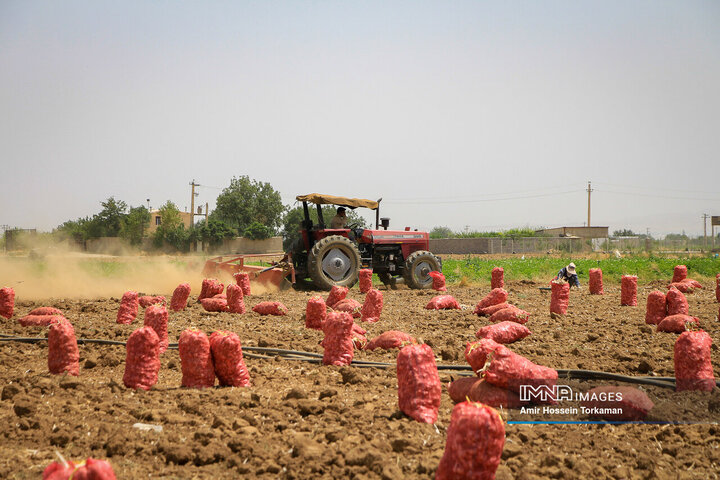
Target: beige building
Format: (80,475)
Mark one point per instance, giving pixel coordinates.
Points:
(156,220)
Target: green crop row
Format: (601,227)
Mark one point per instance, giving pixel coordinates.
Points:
(648,269)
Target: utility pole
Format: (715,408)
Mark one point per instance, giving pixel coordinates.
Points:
(192,201)
(589,190)
(705,217)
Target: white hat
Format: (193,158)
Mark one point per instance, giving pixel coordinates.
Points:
(571,268)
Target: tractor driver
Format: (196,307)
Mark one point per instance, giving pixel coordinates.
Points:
(339,220)
(569,275)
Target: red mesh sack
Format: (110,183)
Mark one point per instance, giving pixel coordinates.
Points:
(128,308)
(496,296)
(438,281)
(315,312)
(443,302)
(180,297)
(679,273)
(372,307)
(46,311)
(510,314)
(686,286)
(365,275)
(243,279)
(90,469)
(228,359)
(196,361)
(693,368)
(474,445)
(147,300)
(39,320)
(390,339)
(348,305)
(142,362)
(656,308)
(504,332)
(338,343)
(214,304)
(210,288)
(676,323)
(358,337)
(156,317)
(63,353)
(634,404)
(235,299)
(478,390)
(628,291)
(717,287)
(596,282)
(676,302)
(7,302)
(681,286)
(336,294)
(270,308)
(497,278)
(488,311)
(559,297)
(503,368)
(58,471)
(419,388)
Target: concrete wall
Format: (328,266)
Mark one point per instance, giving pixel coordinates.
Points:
(246,245)
(495,245)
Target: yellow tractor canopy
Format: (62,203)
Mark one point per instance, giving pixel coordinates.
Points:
(320,199)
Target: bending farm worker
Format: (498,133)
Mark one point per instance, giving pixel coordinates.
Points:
(569,275)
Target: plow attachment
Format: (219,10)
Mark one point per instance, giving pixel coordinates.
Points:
(279,274)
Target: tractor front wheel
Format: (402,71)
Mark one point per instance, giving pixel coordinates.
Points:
(334,260)
(417,267)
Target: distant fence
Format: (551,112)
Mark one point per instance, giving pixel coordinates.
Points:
(493,245)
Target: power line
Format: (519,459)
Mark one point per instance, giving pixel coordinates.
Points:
(636,194)
(474,196)
(479,200)
(654,189)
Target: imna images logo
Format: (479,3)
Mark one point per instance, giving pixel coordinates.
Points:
(545,393)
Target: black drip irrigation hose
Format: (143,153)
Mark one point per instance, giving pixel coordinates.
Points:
(268,353)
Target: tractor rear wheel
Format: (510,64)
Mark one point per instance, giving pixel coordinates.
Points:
(334,260)
(417,267)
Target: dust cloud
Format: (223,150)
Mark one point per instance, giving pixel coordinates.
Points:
(82,276)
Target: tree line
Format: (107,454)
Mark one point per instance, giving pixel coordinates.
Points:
(246,208)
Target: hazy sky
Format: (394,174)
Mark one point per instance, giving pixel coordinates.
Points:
(489,115)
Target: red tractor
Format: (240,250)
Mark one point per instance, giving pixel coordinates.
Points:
(334,256)
(330,256)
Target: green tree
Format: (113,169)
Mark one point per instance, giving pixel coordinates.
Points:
(294,216)
(441,232)
(171,230)
(625,232)
(214,232)
(246,201)
(110,219)
(134,225)
(257,231)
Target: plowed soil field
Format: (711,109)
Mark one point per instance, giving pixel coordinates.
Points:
(303,420)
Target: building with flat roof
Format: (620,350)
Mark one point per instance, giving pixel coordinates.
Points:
(156,220)
(581,232)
